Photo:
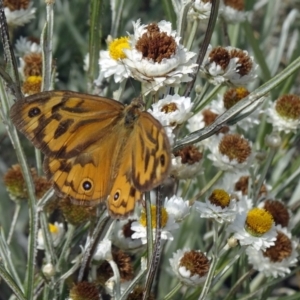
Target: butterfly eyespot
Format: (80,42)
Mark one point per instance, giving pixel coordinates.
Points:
(87,185)
(33,112)
(116,196)
(162,160)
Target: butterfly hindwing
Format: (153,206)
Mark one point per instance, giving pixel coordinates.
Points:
(150,153)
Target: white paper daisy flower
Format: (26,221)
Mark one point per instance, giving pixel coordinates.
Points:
(233,11)
(187,163)
(176,206)
(230,152)
(284,114)
(24,46)
(229,65)
(57,232)
(122,236)
(173,110)
(111,61)
(200,10)
(219,206)
(231,97)
(156,58)
(276,260)
(254,228)
(19,15)
(168,224)
(190,266)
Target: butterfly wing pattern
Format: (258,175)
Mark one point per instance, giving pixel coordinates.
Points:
(95,148)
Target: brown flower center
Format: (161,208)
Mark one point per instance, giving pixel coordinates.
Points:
(236,4)
(233,96)
(243,184)
(243,59)
(127,231)
(278,211)
(288,106)
(84,290)
(196,262)
(124,264)
(16,4)
(235,147)
(156,45)
(220,56)
(189,155)
(33,64)
(209,117)
(281,250)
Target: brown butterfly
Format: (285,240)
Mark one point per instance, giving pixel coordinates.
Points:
(95,148)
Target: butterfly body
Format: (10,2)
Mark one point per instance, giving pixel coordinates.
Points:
(95,148)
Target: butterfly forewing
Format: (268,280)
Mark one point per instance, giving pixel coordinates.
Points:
(63,124)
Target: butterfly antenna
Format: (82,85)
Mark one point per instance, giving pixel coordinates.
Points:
(10,74)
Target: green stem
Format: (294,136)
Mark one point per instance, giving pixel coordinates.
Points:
(29,280)
(47,45)
(213,264)
(149,226)
(11,283)
(171,294)
(116,19)
(263,174)
(66,248)
(7,261)
(14,222)
(94,41)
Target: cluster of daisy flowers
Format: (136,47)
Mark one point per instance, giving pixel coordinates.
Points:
(253,224)
(239,205)
(152,55)
(232,202)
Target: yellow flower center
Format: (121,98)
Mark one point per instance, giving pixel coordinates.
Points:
(258,221)
(53,228)
(169,108)
(117,46)
(32,85)
(164,217)
(220,198)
